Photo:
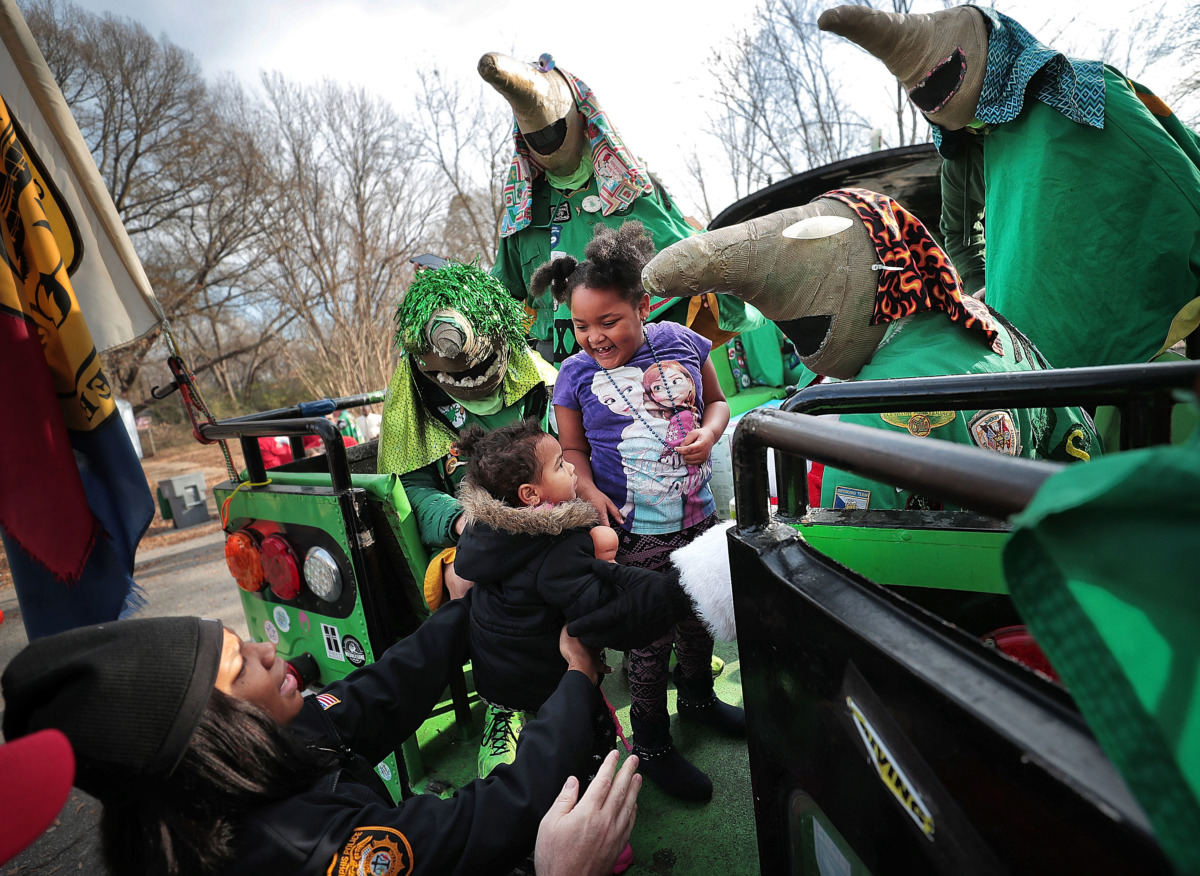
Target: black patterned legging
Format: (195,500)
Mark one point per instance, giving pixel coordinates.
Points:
(693,645)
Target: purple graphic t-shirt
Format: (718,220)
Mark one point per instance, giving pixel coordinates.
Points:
(635,459)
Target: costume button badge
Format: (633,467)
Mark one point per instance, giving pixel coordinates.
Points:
(592,204)
(919,423)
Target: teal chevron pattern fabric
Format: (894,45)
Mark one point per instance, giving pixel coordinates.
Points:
(1071,86)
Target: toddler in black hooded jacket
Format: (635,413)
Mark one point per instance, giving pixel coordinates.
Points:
(528,547)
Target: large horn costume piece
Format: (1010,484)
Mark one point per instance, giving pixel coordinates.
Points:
(808,269)
(544,108)
(831,275)
(940,57)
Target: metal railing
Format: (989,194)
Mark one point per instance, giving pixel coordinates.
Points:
(1142,393)
(980,480)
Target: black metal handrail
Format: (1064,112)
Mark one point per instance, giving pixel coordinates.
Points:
(304,410)
(317,408)
(980,480)
(1141,392)
(248,431)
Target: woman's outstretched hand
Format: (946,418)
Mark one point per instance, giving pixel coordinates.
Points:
(589,661)
(585,838)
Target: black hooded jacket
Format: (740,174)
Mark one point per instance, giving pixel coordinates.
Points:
(532,573)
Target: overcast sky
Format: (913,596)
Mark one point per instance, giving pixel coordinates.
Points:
(646,61)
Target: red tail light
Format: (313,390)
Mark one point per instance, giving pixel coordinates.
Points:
(241,556)
(1018,643)
(280,567)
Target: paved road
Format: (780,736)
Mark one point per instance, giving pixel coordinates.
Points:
(188,578)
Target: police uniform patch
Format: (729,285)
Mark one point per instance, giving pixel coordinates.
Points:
(851,498)
(373,851)
(327,701)
(919,423)
(996,430)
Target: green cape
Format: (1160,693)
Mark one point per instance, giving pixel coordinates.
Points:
(1102,567)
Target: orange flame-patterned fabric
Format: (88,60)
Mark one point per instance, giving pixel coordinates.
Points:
(915,274)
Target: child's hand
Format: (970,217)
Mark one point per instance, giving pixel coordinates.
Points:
(604,506)
(605,543)
(697,446)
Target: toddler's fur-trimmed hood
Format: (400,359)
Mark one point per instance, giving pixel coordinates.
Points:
(480,507)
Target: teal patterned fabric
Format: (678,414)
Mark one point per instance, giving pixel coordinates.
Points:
(1071,86)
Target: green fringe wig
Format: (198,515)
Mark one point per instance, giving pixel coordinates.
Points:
(470,290)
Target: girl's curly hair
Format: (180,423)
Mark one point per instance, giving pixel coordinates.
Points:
(503,459)
(614,261)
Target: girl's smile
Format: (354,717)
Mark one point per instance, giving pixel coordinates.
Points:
(607,326)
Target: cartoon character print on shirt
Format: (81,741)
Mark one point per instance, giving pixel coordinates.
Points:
(671,394)
(655,476)
(615,398)
(619,390)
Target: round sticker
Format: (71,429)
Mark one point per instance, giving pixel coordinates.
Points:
(592,204)
(281,619)
(272,633)
(353,650)
(385,771)
(919,425)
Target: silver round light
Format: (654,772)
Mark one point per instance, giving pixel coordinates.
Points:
(322,575)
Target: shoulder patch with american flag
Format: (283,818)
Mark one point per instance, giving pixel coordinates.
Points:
(327,701)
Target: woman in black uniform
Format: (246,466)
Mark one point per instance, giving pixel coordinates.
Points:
(208,760)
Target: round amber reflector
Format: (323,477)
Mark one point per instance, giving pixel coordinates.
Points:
(241,556)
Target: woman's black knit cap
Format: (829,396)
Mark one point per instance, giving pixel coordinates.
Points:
(127,694)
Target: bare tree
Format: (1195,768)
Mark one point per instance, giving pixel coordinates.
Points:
(180,161)
(468,141)
(781,107)
(354,205)
(204,260)
(61,32)
(1189,87)
(139,103)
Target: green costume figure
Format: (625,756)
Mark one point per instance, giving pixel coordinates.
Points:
(1085,185)
(928,344)
(465,360)
(857,283)
(570,171)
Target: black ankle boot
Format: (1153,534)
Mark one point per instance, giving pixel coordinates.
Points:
(698,703)
(661,762)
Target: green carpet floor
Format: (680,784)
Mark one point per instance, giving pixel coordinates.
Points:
(670,837)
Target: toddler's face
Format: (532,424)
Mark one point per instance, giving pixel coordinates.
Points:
(557,480)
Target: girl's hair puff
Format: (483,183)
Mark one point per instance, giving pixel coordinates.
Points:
(503,459)
(614,261)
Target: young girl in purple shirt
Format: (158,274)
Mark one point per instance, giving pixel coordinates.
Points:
(639,410)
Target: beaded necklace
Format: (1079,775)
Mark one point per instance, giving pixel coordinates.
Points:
(637,413)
